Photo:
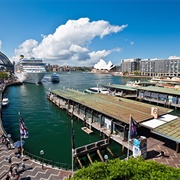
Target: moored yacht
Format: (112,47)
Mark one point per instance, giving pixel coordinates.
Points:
(30,70)
(95,90)
(5,102)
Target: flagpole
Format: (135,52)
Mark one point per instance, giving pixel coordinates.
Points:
(72,147)
(20,138)
(129,136)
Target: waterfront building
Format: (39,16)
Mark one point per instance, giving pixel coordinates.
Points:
(147,67)
(152,67)
(130,65)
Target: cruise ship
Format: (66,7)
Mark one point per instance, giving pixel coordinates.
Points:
(30,70)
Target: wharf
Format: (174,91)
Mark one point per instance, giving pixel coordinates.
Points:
(108,114)
(148,92)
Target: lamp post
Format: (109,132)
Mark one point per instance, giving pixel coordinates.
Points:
(106,158)
(42,153)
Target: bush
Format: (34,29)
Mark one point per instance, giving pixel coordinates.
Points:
(132,169)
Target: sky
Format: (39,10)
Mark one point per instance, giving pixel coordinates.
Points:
(81,32)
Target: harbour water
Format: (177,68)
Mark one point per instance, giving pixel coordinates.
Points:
(49,127)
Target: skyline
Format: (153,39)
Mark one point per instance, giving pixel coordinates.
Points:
(80,33)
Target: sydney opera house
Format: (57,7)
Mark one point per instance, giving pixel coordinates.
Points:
(103,67)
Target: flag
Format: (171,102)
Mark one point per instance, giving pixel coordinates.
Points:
(133,128)
(73,134)
(23,128)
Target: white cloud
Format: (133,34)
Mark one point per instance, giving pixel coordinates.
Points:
(69,43)
(174,57)
(0,44)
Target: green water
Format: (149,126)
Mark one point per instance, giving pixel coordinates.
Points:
(49,127)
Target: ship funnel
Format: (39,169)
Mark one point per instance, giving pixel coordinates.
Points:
(21,56)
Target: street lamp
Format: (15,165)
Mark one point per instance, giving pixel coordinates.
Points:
(106,158)
(42,153)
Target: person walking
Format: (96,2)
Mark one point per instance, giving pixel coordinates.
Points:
(16,169)
(9,161)
(23,165)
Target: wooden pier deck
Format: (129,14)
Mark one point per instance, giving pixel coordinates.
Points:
(93,147)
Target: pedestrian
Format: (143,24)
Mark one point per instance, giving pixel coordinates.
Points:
(16,169)
(9,161)
(7,144)
(3,138)
(10,174)
(162,154)
(18,177)
(7,177)
(23,165)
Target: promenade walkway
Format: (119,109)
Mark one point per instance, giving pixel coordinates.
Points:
(33,170)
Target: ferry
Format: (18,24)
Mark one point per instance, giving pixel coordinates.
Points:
(30,70)
(55,78)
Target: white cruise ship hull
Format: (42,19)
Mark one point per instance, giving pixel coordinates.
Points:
(30,77)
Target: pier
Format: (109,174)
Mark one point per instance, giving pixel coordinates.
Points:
(91,148)
(108,114)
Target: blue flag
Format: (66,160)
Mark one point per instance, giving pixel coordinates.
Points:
(133,128)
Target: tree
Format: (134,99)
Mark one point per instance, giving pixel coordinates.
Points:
(132,169)
(3,76)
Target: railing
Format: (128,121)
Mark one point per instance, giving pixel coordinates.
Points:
(42,160)
(47,162)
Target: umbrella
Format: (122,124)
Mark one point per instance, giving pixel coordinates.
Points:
(19,143)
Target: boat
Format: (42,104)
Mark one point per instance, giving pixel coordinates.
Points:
(55,78)
(5,101)
(87,130)
(95,90)
(133,83)
(30,70)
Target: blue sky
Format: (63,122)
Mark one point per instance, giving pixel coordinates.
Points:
(81,32)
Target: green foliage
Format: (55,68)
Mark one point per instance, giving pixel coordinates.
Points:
(3,75)
(137,73)
(132,169)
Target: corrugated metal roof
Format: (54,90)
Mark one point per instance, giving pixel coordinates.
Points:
(118,86)
(112,106)
(160,90)
(170,130)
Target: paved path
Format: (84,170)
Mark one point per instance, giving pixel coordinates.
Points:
(156,145)
(33,170)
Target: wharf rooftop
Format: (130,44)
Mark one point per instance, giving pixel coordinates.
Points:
(114,107)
